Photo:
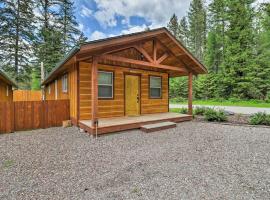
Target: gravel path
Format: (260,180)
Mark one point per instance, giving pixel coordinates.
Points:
(234,109)
(192,161)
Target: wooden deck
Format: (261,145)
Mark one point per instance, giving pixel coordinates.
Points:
(109,125)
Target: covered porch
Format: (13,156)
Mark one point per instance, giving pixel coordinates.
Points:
(109,125)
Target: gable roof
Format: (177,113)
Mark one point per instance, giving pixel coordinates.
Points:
(6,79)
(167,39)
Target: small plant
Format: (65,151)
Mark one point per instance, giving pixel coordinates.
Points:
(213,115)
(260,119)
(183,110)
(200,110)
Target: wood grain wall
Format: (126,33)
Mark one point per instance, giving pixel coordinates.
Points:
(3,92)
(71,94)
(115,107)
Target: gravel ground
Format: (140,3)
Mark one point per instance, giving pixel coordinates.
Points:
(193,161)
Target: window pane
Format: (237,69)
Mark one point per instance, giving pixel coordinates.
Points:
(155,82)
(105,91)
(155,93)
(105,78)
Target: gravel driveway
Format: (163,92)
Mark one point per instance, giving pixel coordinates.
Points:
(192,161)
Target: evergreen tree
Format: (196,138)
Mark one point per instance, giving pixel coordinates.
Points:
(48,46)
(16,36)
(68,26)
(262,69)
(197,28)
(173,25)
(239,55)
(216,37)
(184,32)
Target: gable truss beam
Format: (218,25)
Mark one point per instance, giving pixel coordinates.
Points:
(142,63)
(162,58)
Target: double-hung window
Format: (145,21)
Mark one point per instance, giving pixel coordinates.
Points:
(105,85)
(65,83)
(155,87)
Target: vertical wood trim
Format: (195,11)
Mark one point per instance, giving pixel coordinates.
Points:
(94,91)
(190,76)
(77,65)
(155,51)
(168,91)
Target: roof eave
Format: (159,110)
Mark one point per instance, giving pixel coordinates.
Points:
(71,53)
(8,80)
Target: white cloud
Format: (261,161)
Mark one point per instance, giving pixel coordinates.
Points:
(81,27)
(156,12)
(97,35)
(86,12)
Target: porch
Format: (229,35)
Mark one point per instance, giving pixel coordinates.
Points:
(109,125)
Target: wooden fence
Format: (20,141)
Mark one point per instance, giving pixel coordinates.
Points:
(27,115)
(27,95)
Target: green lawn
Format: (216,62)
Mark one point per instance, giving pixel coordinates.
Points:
(243,103)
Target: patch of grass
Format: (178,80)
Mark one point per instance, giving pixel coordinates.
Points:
(215,115)
(229,102)
(260,119)
(8,163)
(179,110)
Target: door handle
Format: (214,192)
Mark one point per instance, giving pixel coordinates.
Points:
(138,98)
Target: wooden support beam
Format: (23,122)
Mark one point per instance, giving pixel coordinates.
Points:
(144,53)
(142,63)
(162,58)
(155,51)
(94,91)
(190,77)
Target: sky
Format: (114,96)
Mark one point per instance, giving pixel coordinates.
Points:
(106,18)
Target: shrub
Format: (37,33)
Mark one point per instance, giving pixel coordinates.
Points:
(260,119)
(183,110)
(215,115)
(200,110)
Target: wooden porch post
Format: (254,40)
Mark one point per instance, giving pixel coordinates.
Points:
(94,91)
(190,75)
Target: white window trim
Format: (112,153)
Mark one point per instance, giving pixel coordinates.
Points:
(49,89)
(65,83)
(7,91)
(160,94)
(107,84)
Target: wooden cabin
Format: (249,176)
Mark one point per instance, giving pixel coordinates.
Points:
(6,85)
(122,82)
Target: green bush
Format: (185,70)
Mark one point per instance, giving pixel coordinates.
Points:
(260,119)
(200,110)
(183,110)
(215,115)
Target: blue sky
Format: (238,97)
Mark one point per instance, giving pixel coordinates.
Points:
(104,18)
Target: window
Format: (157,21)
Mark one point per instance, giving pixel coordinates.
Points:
(105,84)
(7,90)
(64,83)
(155,87)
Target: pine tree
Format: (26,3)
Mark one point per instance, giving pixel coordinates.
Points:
(197,27)
(48,46)
(262,69)
(173,25)
(239,55)
(68,26)
(16,36)
(184,32)
(216,37)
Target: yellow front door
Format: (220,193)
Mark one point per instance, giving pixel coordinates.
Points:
(132,95)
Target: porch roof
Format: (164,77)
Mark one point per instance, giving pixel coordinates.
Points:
(173,57)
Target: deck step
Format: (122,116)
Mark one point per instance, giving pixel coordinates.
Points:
(158,126)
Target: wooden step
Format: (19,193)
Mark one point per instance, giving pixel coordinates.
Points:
(158,126)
